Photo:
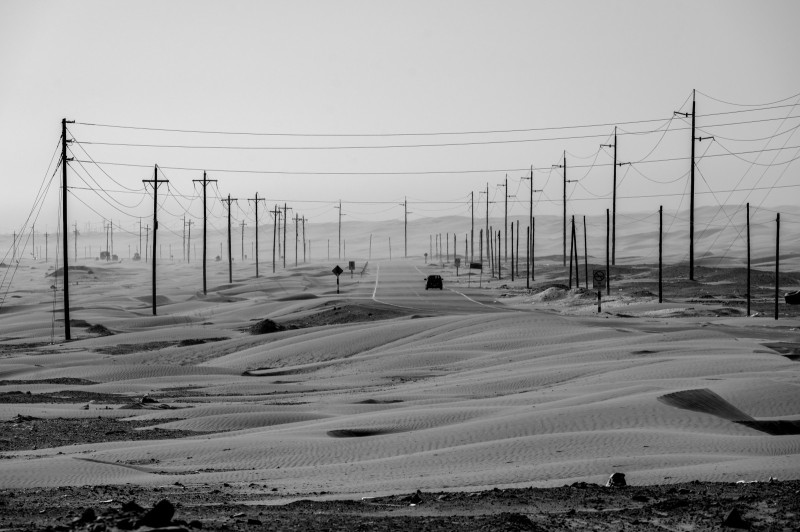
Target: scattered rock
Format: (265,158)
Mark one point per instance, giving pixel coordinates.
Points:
(616,480)
(265,327)
(159,516)
(99,330)
(734,520)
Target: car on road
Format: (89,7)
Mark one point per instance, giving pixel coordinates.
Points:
(434,281)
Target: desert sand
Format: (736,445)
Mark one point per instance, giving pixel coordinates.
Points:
(387,388)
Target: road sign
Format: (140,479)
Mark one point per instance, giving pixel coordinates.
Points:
(476,266)
(598,279)
(337,271)
(351,265)
(458,262)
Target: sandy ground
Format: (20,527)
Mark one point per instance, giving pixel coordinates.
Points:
(349,399)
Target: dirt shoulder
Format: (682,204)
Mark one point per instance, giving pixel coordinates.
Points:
(771,505)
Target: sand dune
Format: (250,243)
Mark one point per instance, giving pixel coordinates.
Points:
(458,401)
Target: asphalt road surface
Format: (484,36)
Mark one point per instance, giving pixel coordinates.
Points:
(402,283)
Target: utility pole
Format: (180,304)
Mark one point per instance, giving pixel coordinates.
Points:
(255,202)
(189,242)
(155,184)
(405,227)
(285,223)
(304,239)
(75,225)
(691,185)
(275,213)
(340,228)
(230,259)
(472,226)
(530,228)
(108,255)
(64,161)
(488,235)
(183,241)
(505,223)
(205,181)
(613,201)
(242,225)
(146,241)
(139,250)
(296,236)
(564,166)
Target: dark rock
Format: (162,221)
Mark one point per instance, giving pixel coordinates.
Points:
(148,400)
(194,523)
(131,506)
(414,499)
(640,498)
(159,516)
(88,515)
(253,521)
(265,327)
(616,480)
(734,520)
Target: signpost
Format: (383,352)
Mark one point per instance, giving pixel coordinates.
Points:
(337,271)
(351,265)
(458,263)
(598,282)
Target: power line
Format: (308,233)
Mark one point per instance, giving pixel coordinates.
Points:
(393,146)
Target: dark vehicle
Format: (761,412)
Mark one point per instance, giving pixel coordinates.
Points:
(793,298)
(433,281)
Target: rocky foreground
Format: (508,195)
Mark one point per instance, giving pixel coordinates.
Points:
(771,505)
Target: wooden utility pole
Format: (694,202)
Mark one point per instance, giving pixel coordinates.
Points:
(405,227)
(691,185)
(189,241)
(748,259)
(242,226)
(146,242)
(471,227)
(565,215)
(255,203)
(564,240)
(512,251)
(777,261)
(205,181)
(608,267)
(304,239)
(340,228)
(571,244)
(275,214)
(286,210)
(154,182)
(505,222)
(613,201)
(489,255)
(64,161)
(296,236)
(660,252)
(585,255)
(230,258)
(75,240)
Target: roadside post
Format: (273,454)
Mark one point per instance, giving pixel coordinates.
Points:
(458,263)
(337,271)
(351,266)
(598,281)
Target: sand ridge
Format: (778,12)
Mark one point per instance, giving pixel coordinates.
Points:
(441,401)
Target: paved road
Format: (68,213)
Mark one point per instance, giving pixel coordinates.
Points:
(402,283)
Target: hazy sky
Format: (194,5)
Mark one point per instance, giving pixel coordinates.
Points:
(475,70)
